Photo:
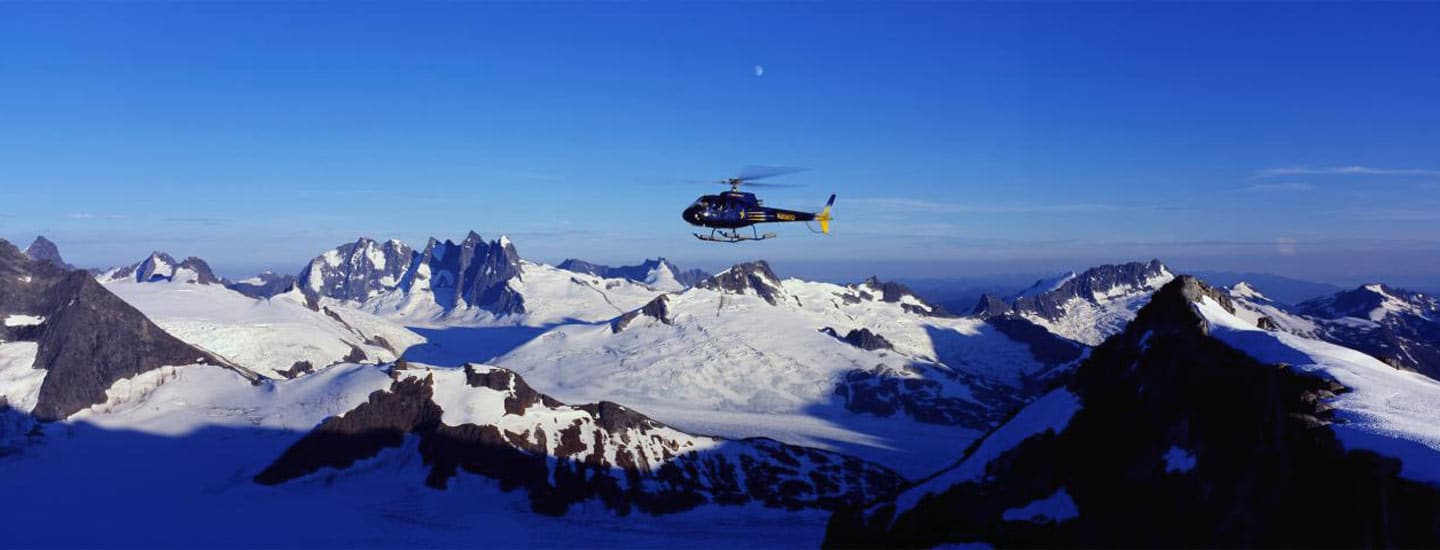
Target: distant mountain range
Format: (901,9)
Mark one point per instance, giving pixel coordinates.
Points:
(1118,405)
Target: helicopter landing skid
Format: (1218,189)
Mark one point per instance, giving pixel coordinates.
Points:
(722,236)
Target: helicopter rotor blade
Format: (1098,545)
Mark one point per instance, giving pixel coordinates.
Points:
(751,173)
(748,183)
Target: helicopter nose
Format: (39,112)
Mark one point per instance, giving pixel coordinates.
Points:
(691,215)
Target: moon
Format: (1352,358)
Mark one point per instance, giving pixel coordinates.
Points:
(759,70)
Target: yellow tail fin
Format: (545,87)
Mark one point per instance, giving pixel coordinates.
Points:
(824,216)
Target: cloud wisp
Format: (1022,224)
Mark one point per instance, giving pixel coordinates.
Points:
(1345,171)
(1277,187)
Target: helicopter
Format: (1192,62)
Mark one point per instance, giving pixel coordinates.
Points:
(731,210)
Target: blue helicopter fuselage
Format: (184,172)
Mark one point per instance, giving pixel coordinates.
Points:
(733,209)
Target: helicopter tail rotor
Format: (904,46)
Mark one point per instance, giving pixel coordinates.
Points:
(824,216)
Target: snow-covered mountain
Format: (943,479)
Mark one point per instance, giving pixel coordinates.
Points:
(1087,307)
(473,282)
(659,273)
(488,421)
(161,267)
(277,337)
(747,353)
(65,339)
(1399,327)
(1192,427)
(358,271)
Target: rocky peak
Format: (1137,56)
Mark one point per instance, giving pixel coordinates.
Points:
(1163,414)
(748,277)
(657,309)
(356,271)
(1372,301)
(44,250)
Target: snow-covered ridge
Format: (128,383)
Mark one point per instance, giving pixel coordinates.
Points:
(1389,411)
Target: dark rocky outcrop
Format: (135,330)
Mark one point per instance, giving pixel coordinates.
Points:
(1260,467)
(753,277)
(300,368)
(861,338)
(896,293)
(654,469)
(89,338)
(657,309)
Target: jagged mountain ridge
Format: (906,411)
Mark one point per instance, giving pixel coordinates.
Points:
(1086,307)
(1136,449)
(659,273)
(488,421)
(1399,327)
(161,267)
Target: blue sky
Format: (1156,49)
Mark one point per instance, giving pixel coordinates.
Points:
(961,138)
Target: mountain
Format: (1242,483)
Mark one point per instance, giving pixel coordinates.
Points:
(264,285)
(1286,290)
(1399,327)
(1086,307)
(42,249)
(445,275)
(749,353)
(473,282)
(66,339)
(658,273)
(280,336)
(358,271)
(1191,427)
(161,267)
(488,421)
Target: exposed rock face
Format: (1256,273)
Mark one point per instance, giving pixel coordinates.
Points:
(45,251)
(637,273)
(89,338)
(1088,307)
(897,293)
(357,271)
(472,273)
(1178,440)
(1394,325)
(161,267)
(561,455)
(657,309)
(264,285)
(751,277)
(861,338)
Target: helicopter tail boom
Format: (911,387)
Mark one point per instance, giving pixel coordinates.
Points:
(824,216)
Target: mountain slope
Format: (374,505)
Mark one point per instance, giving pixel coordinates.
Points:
(1188,429)
(746,353)
(1087,307)
(277,337)
(1399,327)
(85,338)
(488,421)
